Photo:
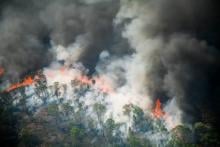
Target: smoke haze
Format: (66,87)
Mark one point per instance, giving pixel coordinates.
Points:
(146,49)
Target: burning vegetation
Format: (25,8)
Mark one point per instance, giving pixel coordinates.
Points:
(26,82)
(54,119)
(158,111)
(100,64)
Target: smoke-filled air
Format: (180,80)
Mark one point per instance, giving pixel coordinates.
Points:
(109,73)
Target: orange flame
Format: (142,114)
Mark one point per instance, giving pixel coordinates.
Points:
(157,111)
(26,82)
(2,71)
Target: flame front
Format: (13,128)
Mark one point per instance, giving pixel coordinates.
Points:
(26,82)
(157,111)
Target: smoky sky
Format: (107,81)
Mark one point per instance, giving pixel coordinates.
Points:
(187,65)
(192,65)
(28,27)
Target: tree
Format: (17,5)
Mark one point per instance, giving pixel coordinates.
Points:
(181,137)
(112,132)
(127,112)
(9,125)
(100,110)
(133,140)
(28,139)
(77,135)
(205,135)
(138,118)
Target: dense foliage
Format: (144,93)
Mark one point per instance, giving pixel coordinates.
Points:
(57,122)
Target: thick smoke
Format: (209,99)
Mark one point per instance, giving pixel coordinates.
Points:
(28,28)
(148,49)
(23,42)
(91,24)
(176,58)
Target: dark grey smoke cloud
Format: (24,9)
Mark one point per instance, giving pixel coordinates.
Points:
(23,42)
(191,68)
(187,65)
(27,27)
(93,21)
(190,58)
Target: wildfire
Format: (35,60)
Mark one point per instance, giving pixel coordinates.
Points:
(98,82)
(157,111)
(2,71)
(26,82)
(65,74)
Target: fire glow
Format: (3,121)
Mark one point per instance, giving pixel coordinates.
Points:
(157,111)
(65,75)
(100,83)
(26,82)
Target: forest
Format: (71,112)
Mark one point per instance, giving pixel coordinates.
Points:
(42,116)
